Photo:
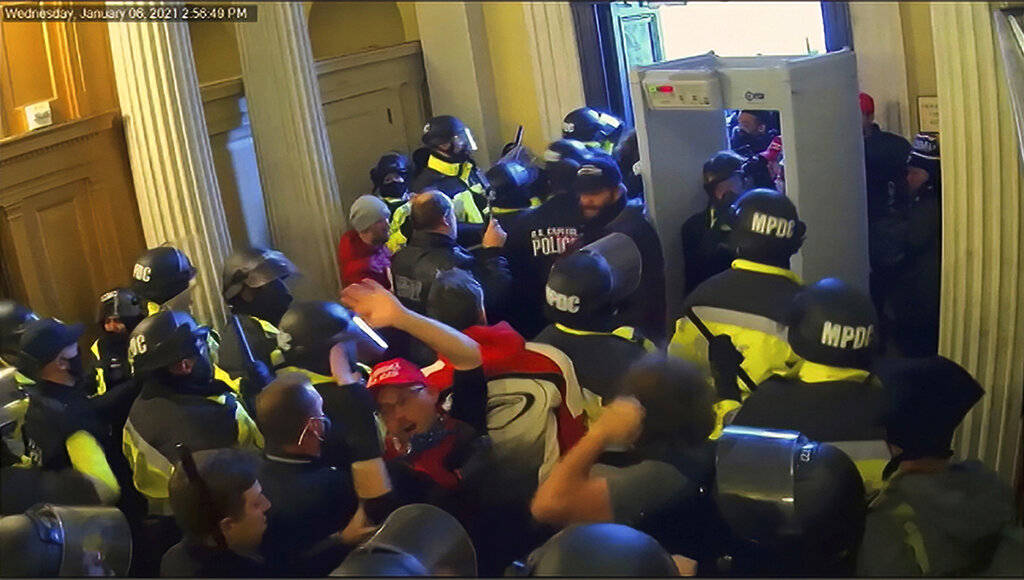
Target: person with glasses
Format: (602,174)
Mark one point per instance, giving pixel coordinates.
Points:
(308,533)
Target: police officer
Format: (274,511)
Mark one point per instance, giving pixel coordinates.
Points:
(433,247)
(13,317)
(450,168)
(704,234)
(749,303)
(120,311)
(61,430)
(583,294)
(255,287)
(390,177)
(812,492)
(319,340)
(162,277)
(604,208)
(180,402)
(593,128)
(834,398)
(545,234)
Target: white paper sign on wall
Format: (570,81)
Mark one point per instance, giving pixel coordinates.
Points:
(928,114)
(38,115)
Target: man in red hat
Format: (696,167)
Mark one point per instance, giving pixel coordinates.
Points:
(429,449)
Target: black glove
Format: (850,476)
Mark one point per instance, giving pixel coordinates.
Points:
(725,362)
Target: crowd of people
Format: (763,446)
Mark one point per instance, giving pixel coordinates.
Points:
(498,390)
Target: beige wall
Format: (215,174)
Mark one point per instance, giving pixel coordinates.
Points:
(215,51)
(337,28)
(920,54)
(514,84)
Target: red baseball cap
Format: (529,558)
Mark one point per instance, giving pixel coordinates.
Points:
(396,372)
(867,104)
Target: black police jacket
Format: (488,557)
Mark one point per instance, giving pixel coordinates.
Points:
(645,309)
(704,251)
(415,267)
(55,412)
(190,559)
(533,245)
(600,360)
(885,166)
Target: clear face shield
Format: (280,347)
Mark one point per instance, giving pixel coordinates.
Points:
(463,141)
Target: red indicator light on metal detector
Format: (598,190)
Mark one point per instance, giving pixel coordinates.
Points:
(665,89)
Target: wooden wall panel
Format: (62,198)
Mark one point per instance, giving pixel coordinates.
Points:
(70,221)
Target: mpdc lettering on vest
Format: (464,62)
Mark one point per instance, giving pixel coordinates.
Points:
(769,225)
(570,304)
(842,336)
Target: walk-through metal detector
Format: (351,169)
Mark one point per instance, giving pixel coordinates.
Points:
(679,107)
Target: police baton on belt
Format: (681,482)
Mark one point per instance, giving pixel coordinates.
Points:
(726,361)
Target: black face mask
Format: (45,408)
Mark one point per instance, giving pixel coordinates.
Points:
(393,190)
(202,371)
(75,368)
(270,301)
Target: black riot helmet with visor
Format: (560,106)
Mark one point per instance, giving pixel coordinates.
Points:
(598,550)
(122,305)
(309,330)
(591,126)
(449,136)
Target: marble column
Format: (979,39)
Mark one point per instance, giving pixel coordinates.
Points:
(292,148)
(169,149)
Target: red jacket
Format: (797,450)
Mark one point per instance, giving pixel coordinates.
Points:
(530,403)
(358,261)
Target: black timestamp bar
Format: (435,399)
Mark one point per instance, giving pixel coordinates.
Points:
(128,12)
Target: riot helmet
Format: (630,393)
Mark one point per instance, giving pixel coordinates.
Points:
(310,329)
(415,540)
(833,323)
(166,338)
(123,305)
(390,176)
(263,271)
(509,183)
(584,288)
(562,161)
(793,506)
(162,273)
(592,126)
(51,540)
(13,317)
(449,135)
(602,550)
(765,227)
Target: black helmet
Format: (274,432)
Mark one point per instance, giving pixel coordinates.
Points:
(586,285)
(254,267)
(446,128)
(764,227)
(388,164)
(54,540)
(562,161)
(123,304)
(833,323)
(720,167)
(309,329)
(13,317)
(604,550)
(510,183)
(590,125)
(415,540)
(164,339)
(161,274)
(793,506)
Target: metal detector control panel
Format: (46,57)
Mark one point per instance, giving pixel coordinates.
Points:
(694,89)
